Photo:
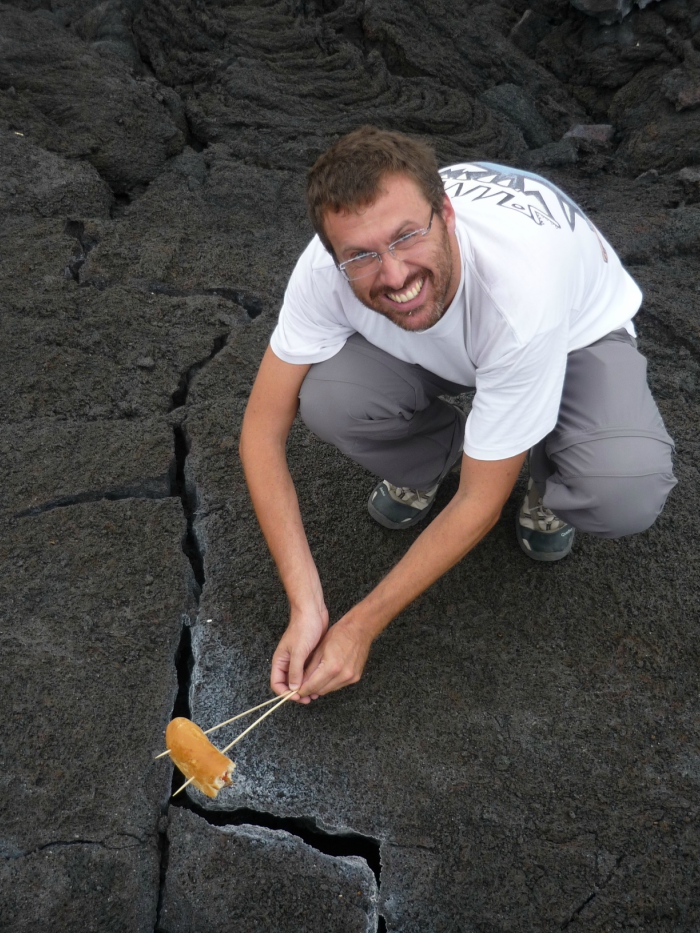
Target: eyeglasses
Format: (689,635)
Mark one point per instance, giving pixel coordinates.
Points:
(368,263)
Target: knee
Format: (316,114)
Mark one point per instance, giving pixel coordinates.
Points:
(615,506)
(613,487)
(630,505)
(324,408)
(337,411)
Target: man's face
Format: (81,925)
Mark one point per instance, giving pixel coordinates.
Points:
(415,289)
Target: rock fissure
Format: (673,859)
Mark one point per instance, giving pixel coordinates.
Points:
(596,891)
(252,304)
(179,396)
(67,843)
(304,828)
(145,489)
(76,229)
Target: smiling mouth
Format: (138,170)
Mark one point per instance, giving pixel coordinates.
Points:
(408,294)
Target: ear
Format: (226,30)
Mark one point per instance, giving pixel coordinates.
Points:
(448,214)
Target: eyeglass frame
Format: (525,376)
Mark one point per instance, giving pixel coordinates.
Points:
(422,231)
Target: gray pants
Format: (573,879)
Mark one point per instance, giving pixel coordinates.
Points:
(605,468)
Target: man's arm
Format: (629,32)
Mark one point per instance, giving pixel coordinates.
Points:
(271,409)
(483,490)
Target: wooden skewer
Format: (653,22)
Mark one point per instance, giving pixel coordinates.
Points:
(183,787)
(287,696)
(238,738)
(226,722)
(252,710)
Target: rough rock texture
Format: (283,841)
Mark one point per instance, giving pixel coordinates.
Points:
(120,126)
(274,882)
(523,748)
(92,599)
(608,11)
(59,463)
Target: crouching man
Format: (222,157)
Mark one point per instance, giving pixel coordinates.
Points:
(419,284)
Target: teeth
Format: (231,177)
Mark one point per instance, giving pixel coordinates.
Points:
(402,297)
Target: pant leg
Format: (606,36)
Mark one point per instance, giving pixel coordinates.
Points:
(606,467)
(384,414)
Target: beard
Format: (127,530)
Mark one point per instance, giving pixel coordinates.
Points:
(433,309)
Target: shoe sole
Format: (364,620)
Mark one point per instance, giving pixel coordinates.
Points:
(548,556)
(396,526)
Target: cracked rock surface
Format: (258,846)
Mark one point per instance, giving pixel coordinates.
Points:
(522,752)
(274,881)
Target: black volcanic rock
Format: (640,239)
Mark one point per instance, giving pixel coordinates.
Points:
(92,600)
(520,754)
(82,102)
(274,882)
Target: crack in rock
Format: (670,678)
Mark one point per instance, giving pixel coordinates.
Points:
(151,488)
(594,893)
(179,396)
(252,304)
(68,843)
(86,240)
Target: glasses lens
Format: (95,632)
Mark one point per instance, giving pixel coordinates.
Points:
(409,241)
(363,265)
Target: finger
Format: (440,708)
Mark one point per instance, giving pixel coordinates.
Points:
(296,667)
(279,672)
(319,680)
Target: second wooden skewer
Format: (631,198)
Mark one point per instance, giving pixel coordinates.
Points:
(284,699)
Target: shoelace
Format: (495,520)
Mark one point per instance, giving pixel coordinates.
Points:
(546,516)
(410,496)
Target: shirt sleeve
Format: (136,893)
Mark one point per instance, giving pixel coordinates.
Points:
(517,396)
(312,326)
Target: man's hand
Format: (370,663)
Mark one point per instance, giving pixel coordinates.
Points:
(340,657)
(338,661)
(304,632)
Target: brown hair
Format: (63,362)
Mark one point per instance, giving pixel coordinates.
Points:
(348,175)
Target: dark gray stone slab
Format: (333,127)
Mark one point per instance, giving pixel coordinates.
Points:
(57,463)
(219,224)
(247,877)
(92,599)
(90,887)
(80,353)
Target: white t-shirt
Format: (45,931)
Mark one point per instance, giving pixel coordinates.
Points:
(538,281)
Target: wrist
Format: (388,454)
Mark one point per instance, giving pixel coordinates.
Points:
(361,624)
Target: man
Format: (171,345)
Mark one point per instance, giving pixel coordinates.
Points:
(417,285)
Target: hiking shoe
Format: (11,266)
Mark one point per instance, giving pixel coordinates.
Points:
(401,506)
(541,534)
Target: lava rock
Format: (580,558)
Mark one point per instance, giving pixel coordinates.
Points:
(608,11)
(512,102)
(38,183)
(82,102)
(528,31)
(274,881)
(79,361)
(57,463)
(80,885)
(599,133)
(89,679)
(689,178)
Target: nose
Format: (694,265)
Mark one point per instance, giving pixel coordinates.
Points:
(393,271)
